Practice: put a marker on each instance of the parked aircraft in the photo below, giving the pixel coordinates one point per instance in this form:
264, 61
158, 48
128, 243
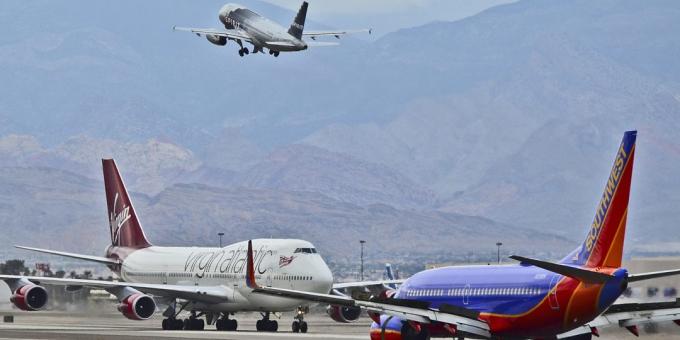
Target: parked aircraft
243, 25
205, 281
534, 299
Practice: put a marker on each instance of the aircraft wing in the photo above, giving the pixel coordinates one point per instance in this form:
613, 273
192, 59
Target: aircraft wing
337, 33
630, 316
227, 33
98, 259
464, 320
360, 284
208, 294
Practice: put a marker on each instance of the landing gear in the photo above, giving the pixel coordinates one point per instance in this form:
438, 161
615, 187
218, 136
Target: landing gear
266, 325
193, 323
300, 325
172, 324
274, 53
243, 51
226, 324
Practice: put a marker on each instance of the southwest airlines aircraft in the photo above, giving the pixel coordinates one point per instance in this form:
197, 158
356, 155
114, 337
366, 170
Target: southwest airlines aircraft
205, 281
533, 299
242, 24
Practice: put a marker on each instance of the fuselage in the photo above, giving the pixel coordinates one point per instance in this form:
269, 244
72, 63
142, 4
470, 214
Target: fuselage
515, 300
264, 32
283, 263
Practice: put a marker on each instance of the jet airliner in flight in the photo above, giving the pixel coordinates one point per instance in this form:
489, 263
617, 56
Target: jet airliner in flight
204, 281
569, 299
243, 25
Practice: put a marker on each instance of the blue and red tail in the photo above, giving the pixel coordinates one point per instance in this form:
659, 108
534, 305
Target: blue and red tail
603, 246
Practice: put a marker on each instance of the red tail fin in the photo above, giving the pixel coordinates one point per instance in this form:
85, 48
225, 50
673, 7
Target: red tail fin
126, 231
603, 246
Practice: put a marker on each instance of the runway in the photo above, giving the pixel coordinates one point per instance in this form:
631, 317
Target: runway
110, 325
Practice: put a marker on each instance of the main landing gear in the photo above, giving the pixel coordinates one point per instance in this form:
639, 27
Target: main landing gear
300, 325
243, 51
274, 53
226, 324
171, 323
266, 325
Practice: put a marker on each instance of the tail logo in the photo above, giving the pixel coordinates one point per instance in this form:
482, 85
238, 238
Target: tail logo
298, 26
612, 184
118, 219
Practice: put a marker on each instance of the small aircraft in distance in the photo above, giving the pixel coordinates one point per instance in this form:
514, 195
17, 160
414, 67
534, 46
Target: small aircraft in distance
243, 25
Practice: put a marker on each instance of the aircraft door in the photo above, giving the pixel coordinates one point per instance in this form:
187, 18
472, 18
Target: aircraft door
552, 293
466, 294
269, 281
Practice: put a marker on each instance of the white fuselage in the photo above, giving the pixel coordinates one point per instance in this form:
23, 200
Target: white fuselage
282, 263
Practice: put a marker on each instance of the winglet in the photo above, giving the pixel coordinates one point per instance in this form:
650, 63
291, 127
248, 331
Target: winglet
250, 274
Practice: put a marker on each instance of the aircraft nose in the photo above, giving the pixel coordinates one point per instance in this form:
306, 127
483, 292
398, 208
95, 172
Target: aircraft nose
324, 278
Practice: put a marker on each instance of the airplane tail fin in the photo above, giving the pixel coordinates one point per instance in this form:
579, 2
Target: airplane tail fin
298, 25
126, 231
603, 246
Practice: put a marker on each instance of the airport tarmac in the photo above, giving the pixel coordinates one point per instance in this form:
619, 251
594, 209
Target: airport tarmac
110, 326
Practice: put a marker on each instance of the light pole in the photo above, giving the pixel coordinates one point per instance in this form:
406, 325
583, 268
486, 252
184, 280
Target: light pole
362, 242
499, 244
220, 235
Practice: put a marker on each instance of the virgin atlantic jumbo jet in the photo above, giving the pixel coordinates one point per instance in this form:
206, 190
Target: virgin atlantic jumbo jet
533, 299
204, 281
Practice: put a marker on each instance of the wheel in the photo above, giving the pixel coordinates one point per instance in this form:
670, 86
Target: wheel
296, 327
258, 325
273, 326
165, 324
240, 53
245, 50
187, 324
303, 327
198, 324
276, 54
177, 324
232, 325
220, 325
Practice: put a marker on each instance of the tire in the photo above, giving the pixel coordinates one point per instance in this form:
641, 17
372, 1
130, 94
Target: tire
187, 325
219, 325
258, 325
296, 327
303, 327
233, 325
178, 325
273, 326
165, 324
199, 324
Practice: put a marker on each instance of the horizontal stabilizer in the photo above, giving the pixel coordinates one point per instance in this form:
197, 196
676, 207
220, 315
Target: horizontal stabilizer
652, 275
90, 258
582, 275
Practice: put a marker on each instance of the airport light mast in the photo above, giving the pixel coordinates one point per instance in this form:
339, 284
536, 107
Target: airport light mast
220, 235
362, 242
499, 244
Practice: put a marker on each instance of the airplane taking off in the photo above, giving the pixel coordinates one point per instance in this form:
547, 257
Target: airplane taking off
205, 281
534, 299
241, 24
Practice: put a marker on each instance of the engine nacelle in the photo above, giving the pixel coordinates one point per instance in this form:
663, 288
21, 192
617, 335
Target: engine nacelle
216, 39
137, 307
343, 314
29, 297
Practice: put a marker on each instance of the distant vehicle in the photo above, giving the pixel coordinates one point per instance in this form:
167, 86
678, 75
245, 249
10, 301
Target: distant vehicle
533, 299
205, 281
243, 25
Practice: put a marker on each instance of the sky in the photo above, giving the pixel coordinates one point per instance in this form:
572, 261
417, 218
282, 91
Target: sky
385, 16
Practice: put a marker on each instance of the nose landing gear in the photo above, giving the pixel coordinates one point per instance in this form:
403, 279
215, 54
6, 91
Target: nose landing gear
300, 325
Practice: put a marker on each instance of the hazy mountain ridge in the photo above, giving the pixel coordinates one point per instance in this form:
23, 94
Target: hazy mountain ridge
59, 204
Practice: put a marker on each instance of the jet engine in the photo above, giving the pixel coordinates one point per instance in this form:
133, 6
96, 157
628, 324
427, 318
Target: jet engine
216, 39
137, 306
29, 297
343, 314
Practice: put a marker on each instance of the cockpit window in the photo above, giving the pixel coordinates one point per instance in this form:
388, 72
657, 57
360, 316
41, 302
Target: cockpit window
305, 250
